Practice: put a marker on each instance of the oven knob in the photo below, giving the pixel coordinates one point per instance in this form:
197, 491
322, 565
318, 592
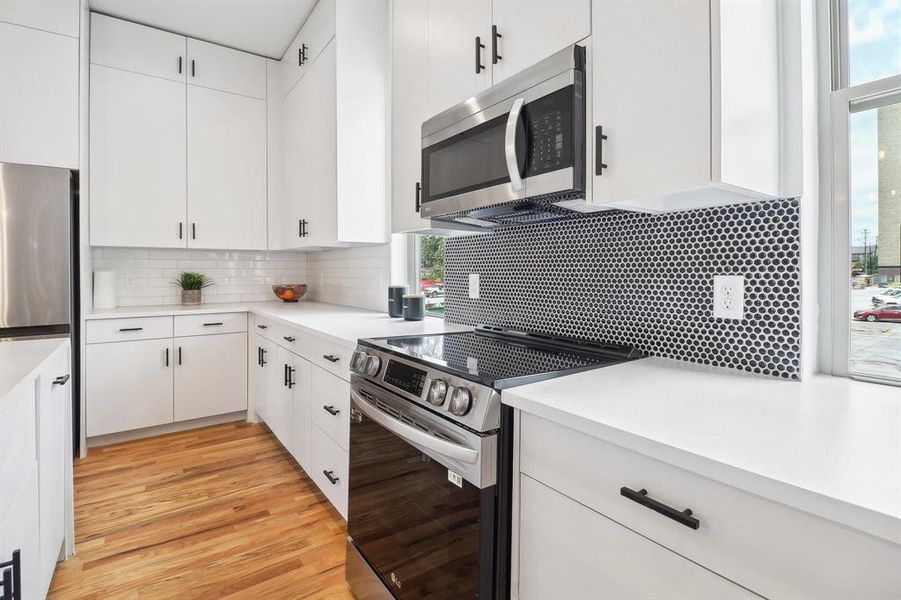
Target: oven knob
373, 363
460, 402
437, 392
358, 361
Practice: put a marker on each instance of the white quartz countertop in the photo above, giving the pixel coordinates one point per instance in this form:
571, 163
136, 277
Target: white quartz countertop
829, 446
22, 360
342, 324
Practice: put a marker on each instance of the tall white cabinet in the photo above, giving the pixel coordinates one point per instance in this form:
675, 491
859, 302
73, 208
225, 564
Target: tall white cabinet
330, 156
178, 141
39, 83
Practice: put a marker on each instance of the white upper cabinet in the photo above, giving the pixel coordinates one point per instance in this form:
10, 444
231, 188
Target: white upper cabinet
526, 31
704, 111
178, 141
332, 126
38, 97
409, 68
56, 16
458, 69
138, 160
224, 69
132, 47
314, 36
226, 170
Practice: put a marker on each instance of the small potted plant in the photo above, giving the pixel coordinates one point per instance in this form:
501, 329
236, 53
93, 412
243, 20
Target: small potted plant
191, 285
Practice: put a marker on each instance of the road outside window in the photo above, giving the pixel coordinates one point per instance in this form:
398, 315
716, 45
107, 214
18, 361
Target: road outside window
430, 249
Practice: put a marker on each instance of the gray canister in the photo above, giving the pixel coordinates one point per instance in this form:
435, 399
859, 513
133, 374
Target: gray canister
414, 307
396, 300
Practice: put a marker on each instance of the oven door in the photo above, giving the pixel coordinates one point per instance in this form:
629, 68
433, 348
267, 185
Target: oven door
421, 504
528, 145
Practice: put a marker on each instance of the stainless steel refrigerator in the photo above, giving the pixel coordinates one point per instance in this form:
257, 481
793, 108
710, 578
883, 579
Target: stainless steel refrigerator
39, 258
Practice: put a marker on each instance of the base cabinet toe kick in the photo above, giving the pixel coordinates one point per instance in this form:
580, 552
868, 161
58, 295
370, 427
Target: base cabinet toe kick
589, 515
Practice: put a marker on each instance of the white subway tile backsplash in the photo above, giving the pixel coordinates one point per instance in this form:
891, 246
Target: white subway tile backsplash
349, 276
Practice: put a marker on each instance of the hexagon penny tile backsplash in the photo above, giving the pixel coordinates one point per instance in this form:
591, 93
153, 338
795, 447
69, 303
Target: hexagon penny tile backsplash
644, 280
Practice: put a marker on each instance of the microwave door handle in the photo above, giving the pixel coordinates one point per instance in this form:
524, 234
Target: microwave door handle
510, 145
413, 435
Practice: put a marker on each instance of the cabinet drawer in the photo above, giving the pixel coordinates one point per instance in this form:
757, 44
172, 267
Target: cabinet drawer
17, 440
570, 551
331, 405
137, 48
283, 335
329, 356
210, 324
312, 39
770, 548
123, 330
330, 460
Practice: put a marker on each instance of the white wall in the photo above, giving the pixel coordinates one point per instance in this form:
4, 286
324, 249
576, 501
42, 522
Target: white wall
144, 276
351, 276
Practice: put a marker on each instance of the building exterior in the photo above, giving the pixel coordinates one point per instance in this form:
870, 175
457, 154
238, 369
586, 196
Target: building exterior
889, 235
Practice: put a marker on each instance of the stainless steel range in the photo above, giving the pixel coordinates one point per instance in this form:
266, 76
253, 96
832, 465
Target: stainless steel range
430, 456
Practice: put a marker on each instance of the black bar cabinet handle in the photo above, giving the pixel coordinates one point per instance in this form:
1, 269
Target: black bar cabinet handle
300, 56
193, 70
167, 357
331, 358
193, 231
599, 137
179, 355
286, 375
291, 382
330, 475
479, 46
331, 410
213, 324
11, 584
288, 338
61, 380
180, 230
131, 328
263, 362
262, 327
179, 64
495, 36
418, 196
680, 516
259, 356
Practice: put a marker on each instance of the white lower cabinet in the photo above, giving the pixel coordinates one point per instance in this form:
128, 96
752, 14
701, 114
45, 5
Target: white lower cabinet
20, 530
53, 410
330, 467
305, 406
210, 377
300, 385
129, 385
569, 551
149, 382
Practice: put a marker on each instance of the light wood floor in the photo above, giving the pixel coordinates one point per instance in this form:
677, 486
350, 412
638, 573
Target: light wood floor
219, 512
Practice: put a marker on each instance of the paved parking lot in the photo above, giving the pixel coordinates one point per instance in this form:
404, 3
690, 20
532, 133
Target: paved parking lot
875, 347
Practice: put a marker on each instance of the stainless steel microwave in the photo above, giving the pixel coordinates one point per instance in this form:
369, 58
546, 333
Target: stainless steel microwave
511, 153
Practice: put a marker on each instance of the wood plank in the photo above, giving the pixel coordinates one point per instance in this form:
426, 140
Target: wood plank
218, 512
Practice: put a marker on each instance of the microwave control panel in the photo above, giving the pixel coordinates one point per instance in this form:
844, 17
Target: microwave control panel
549, 122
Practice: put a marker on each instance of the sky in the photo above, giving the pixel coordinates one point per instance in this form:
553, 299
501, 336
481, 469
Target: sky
874, 45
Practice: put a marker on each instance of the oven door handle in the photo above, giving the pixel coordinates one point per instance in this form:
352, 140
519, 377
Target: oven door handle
510, 145
415, 436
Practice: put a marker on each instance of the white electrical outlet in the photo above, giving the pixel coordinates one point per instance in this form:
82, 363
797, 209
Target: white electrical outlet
729, 297
474, 286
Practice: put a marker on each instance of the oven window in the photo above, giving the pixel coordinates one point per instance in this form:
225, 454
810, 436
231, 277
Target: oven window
424, 535
468, 161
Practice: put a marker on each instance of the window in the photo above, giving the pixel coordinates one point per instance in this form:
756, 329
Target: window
428, 273
866, 189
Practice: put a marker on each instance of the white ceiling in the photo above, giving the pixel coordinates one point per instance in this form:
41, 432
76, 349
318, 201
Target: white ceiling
264, 27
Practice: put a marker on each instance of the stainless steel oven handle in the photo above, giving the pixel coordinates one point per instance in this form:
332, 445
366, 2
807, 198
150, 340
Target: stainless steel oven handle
413, 435
510, 144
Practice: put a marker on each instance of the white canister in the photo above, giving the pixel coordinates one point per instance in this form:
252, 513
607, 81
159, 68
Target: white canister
104, 289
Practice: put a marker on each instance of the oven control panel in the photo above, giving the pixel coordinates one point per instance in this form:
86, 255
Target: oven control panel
405, 377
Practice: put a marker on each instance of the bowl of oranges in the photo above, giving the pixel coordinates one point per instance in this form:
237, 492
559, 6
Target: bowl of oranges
290, 292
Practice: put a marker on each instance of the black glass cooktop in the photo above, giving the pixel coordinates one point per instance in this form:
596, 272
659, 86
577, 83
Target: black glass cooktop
501, 358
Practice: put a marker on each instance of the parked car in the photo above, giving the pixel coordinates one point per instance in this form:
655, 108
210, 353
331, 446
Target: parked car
890, 297
434, 291
889, 312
